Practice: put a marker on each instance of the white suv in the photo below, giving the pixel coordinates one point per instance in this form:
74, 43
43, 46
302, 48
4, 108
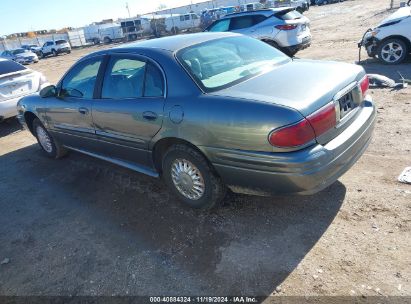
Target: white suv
391, 39
283, 28
54, 48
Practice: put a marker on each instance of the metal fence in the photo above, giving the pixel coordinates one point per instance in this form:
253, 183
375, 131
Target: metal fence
10, 44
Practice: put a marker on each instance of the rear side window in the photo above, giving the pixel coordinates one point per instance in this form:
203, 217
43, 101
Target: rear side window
61, 42
9, 66
132, 78
241, 22
245, 21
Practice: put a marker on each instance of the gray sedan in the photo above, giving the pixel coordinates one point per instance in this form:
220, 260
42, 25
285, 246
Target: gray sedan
207, 112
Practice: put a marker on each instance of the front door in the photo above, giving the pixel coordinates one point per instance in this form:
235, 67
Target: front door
69, 114
130, 110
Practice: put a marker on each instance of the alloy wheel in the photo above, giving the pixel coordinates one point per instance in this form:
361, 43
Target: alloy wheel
44, 139
187, 179
392, 52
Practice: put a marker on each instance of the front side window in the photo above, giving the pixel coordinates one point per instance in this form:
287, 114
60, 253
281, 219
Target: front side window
80, 81
220, 26
132, 78
244, 57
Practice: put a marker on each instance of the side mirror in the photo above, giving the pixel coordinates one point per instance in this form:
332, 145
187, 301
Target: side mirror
49, 91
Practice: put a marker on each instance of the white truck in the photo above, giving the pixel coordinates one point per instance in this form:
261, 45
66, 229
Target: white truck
106, 33
136, 27
177, 23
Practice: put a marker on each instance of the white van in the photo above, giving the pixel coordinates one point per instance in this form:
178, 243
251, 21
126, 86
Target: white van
176, 23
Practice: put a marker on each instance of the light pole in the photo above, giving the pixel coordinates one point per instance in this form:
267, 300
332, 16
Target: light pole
128, 9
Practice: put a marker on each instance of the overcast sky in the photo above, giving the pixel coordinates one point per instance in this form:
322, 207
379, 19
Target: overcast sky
28, 15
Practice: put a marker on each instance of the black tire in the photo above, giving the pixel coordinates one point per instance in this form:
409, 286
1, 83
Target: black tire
56, 150
54, 52
214, 189
391, 44
68, 52
41, 54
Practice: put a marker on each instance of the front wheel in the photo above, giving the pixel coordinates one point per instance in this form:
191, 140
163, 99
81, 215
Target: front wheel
190, 177
392, 51
49, 146
54, 52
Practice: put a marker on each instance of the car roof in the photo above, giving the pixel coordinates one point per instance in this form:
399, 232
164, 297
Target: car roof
169, 44
266, 12
174, 43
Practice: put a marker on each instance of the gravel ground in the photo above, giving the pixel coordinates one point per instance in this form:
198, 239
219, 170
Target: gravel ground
80, 226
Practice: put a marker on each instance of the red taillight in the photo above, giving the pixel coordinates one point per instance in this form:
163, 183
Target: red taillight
286, 27
306, 130
292, 136
324, 119
364, 85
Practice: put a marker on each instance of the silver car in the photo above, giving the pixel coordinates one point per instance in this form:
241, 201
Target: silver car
283, 28
21, 56
17, 81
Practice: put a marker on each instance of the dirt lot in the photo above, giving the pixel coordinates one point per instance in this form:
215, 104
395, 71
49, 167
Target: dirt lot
80, 226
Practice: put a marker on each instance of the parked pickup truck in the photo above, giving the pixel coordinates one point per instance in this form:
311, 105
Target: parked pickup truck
55, 48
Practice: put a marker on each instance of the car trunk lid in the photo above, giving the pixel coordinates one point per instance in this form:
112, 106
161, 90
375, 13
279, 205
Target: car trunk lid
17, 84
306, 86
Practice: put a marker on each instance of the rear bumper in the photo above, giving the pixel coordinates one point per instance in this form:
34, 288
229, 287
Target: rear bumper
302, 172
298, 47
8, 108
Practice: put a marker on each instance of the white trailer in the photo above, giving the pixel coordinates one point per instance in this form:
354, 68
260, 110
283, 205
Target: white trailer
106, 32
77, 38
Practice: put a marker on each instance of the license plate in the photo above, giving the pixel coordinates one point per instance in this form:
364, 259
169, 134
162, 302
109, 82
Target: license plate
19, 89
347, 104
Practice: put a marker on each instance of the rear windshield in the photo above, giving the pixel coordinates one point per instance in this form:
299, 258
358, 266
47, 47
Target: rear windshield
9, 66
61, 41
221, 63
288, 15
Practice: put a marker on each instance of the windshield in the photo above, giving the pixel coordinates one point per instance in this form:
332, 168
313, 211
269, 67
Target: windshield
19, 51
221, 63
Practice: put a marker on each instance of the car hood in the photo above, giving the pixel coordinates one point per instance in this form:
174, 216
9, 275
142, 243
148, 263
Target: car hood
401, 13
304, 85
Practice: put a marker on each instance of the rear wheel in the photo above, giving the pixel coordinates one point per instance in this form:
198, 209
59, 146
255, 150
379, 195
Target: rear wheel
392, 51
190, 177
49, 146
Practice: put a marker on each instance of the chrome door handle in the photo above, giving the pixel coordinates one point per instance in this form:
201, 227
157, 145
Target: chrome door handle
83, 111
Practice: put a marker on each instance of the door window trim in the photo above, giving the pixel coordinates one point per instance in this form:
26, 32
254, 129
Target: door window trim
100, 79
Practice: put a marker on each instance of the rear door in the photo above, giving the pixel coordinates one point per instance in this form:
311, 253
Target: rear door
69, 114
129, 111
